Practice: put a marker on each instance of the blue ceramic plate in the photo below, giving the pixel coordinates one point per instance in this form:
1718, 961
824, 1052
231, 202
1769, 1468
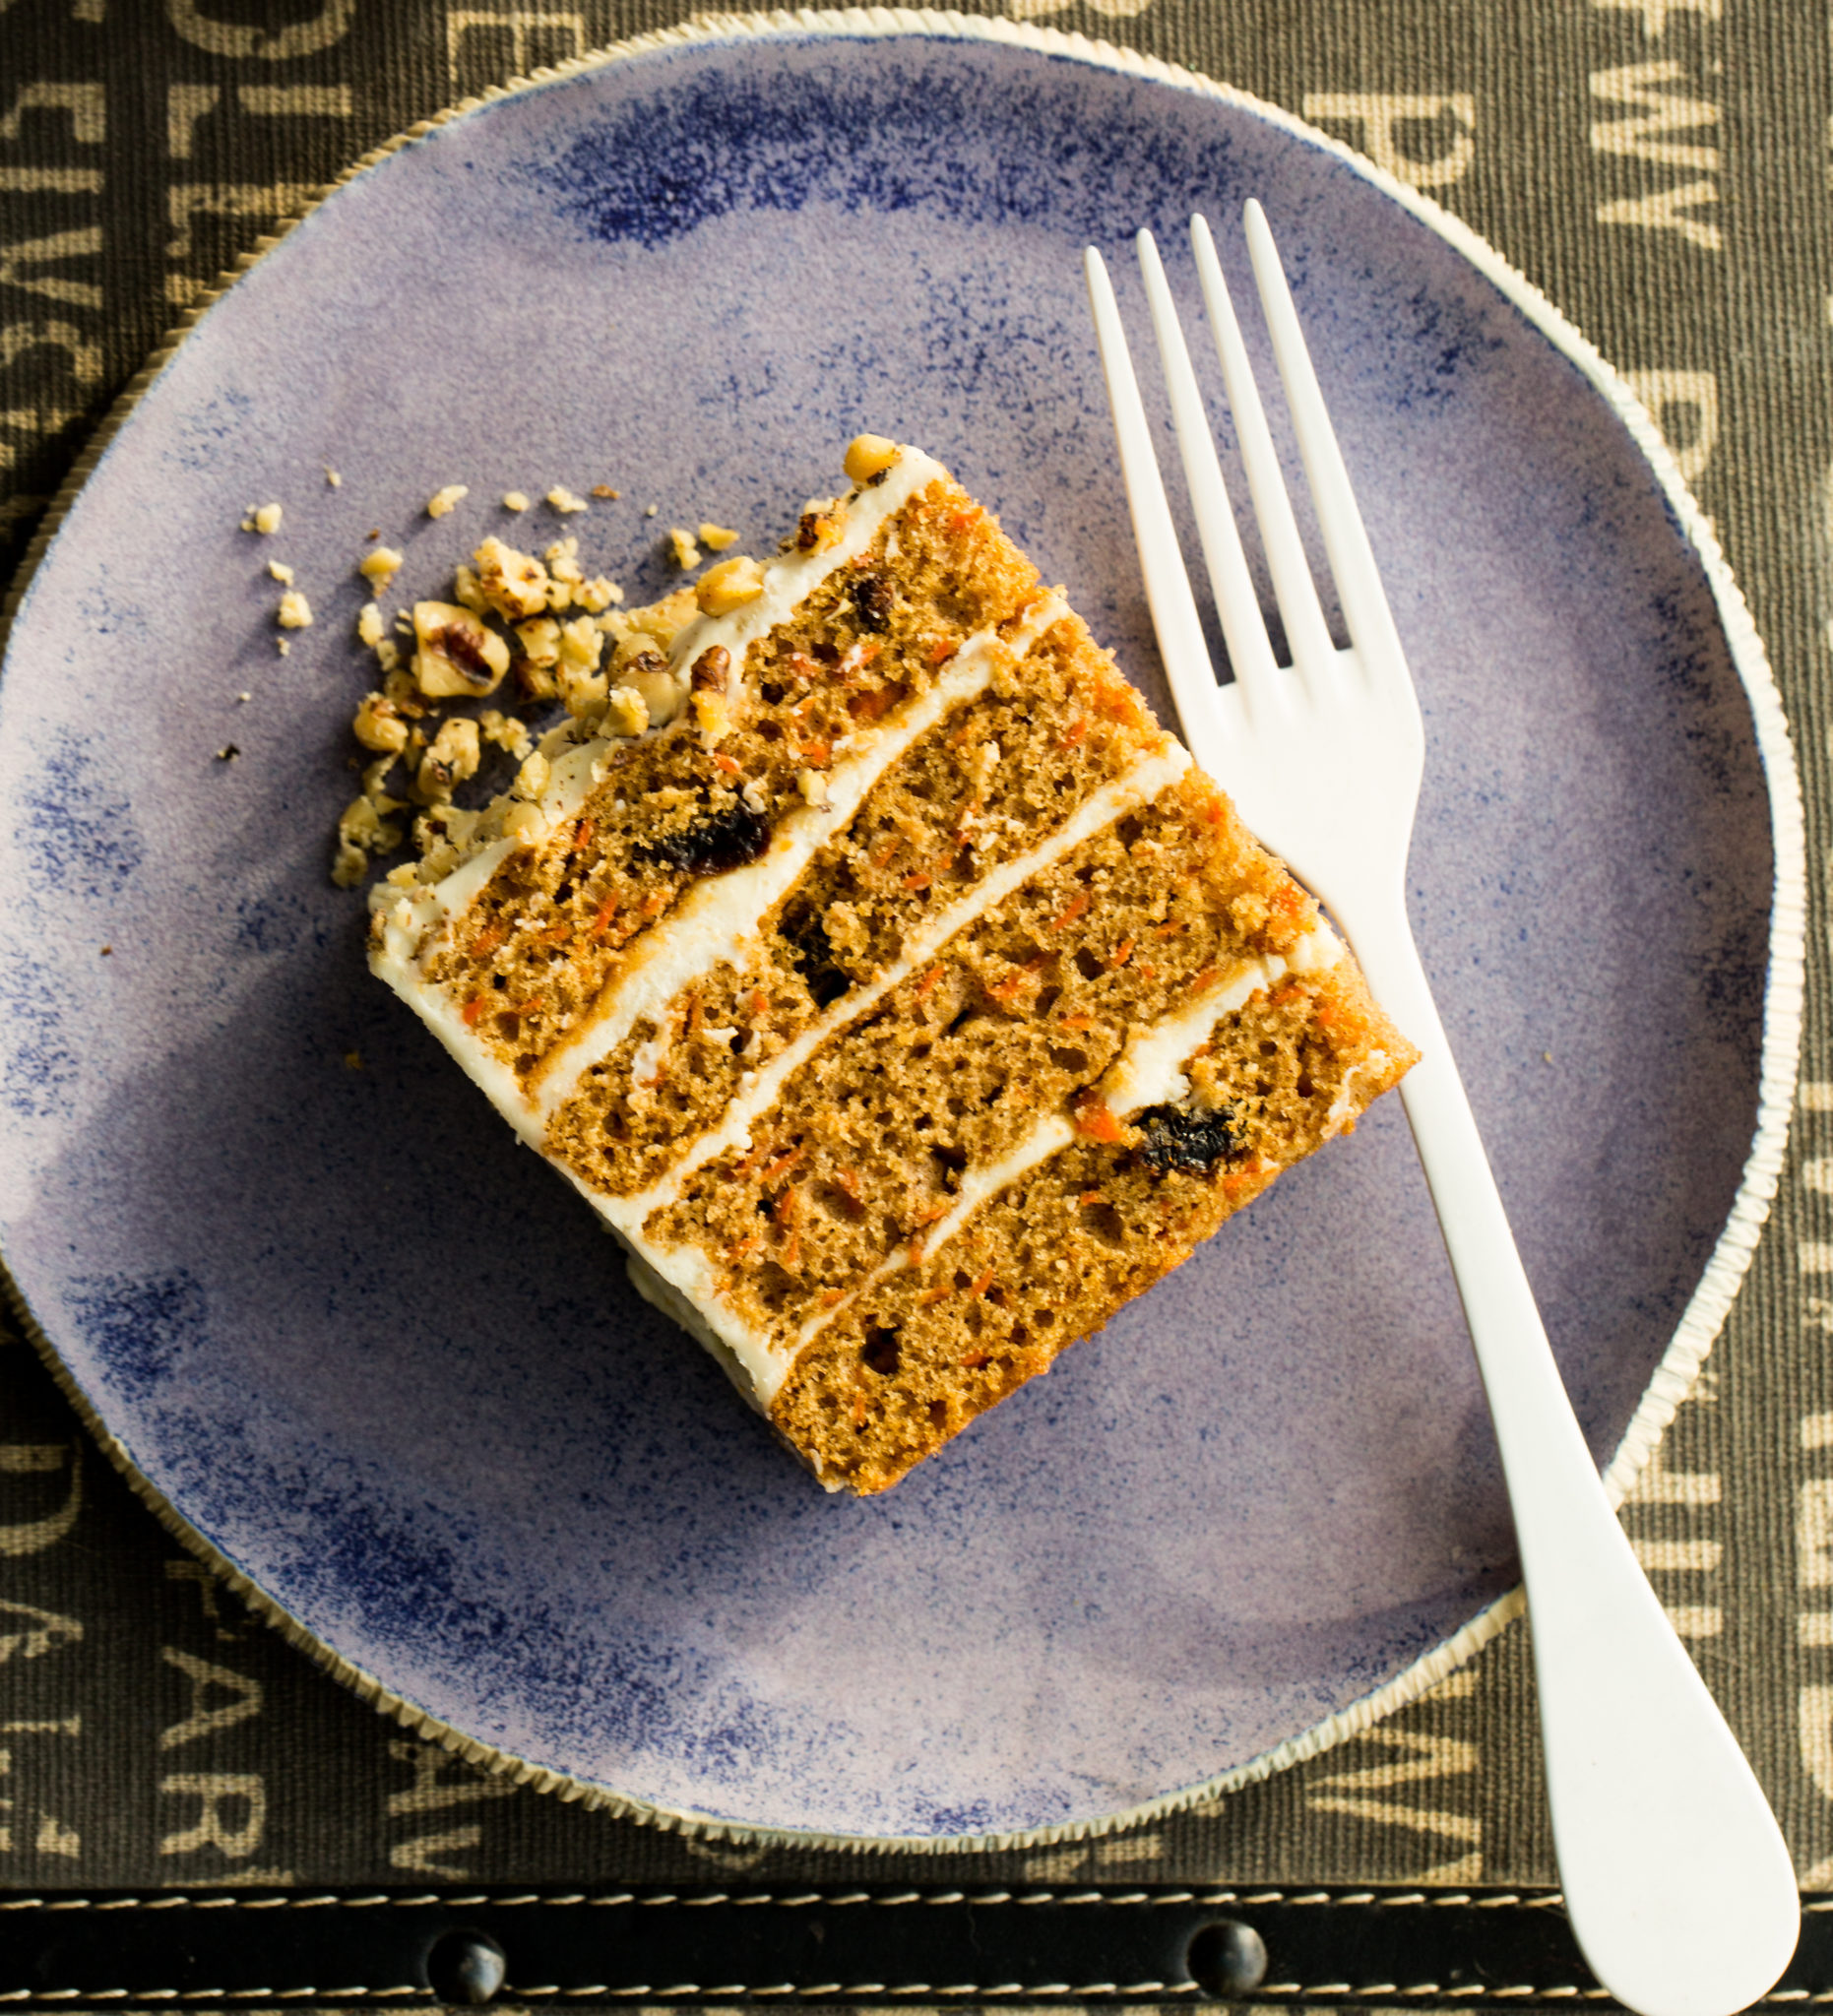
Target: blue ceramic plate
386, 1367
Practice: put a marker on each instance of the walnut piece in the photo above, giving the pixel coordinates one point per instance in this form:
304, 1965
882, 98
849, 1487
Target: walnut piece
868, 456
515, 585
729, 585
457, 654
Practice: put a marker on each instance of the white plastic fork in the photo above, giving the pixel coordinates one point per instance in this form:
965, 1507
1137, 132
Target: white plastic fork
1676, 1877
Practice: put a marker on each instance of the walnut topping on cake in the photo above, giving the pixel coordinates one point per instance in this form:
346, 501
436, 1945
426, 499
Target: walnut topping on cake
729, 585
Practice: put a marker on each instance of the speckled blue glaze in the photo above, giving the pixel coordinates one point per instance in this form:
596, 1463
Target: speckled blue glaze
389, 1364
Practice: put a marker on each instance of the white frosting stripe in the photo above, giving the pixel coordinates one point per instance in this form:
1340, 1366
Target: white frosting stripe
1149, 1072
713, 922
1138, 786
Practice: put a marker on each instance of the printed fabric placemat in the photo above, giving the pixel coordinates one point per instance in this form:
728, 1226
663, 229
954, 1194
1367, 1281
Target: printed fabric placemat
1660, 168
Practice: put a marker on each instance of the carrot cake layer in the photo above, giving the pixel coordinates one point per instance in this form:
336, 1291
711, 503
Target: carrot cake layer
902, 995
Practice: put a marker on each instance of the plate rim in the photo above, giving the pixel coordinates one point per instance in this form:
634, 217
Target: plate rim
1687, 1350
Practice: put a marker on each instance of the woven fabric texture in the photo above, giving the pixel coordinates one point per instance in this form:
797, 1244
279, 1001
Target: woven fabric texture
1660, 168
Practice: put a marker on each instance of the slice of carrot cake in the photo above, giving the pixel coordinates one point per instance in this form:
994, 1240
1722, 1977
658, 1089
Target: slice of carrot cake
894, 986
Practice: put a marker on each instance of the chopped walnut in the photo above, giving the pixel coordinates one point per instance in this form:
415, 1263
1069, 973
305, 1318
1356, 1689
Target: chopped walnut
295, 611
378, 725
539, 638
505, 732
583, 687
707, 684
531, 778
468, 590
661, 691
457, 654
821, 525
870, 457
380, 567
582, 693
626, 712
451, 758
442, 501
514, 584
729, 585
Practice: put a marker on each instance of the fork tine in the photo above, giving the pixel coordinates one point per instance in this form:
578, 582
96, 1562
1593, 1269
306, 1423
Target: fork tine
1359, 584
1250, 651
1168, 586
1306, 630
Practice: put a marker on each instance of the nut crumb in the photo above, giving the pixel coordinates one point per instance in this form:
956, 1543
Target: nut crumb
295, 611
261, 519
605, 490
332, 477
515, 500
654, 511
228, 753
108, 951
442, 501
718, 536
563, 500
243, 698
681, 546
281, 646
870, 457
352, 1060
280, 572
380, 567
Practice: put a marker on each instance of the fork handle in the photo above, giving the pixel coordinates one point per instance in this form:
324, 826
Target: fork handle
1677, 1880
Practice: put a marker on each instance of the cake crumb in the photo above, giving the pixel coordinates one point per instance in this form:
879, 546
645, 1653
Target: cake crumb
295, 611
442, 501
718, 536
515, 500
563, 500
263, 518
280, 572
